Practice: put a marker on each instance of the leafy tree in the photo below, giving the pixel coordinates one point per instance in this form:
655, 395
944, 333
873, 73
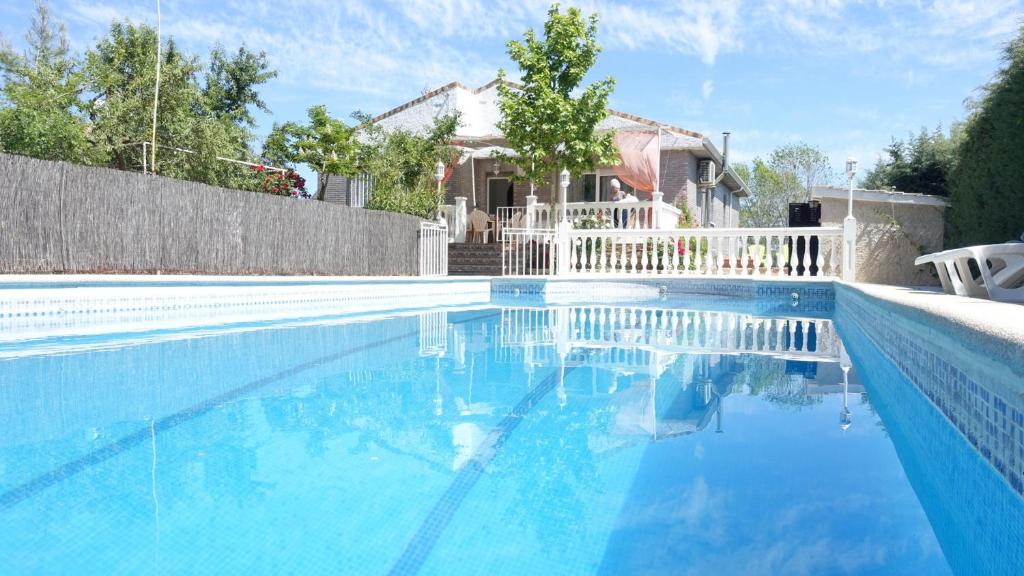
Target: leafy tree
401, 164
550, 123
920, 164
40, 107
209, 121
326, 144
97, 109
771, 192
986, 190
231, 83
807, 164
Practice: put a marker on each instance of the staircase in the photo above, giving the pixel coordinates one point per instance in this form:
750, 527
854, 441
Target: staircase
474, 259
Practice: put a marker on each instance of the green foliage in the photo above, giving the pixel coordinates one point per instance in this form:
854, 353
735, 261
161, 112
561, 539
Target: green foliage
770, 192
97, 109
401, 164
803, 163
685, 217
920, 164
230, 87
326, 144
547, 127
40, 108
987, 181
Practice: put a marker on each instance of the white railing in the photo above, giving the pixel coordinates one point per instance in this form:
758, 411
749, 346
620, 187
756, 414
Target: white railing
455, 218
510, 217
359, 190
528, 252
672, 331
433, 249
765, 252
447, 212
643, 215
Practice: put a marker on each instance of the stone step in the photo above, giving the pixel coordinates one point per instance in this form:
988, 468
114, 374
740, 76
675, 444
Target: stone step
474, 259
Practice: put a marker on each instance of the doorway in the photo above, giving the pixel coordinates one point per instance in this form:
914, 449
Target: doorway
499, 194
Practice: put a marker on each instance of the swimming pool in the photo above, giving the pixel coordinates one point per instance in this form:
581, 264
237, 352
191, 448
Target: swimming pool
675, 435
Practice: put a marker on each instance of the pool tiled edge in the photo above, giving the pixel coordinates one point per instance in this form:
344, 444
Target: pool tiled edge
626, 287
971, 370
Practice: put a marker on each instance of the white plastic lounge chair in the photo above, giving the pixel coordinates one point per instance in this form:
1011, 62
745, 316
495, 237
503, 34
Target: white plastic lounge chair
480, 225
998, 272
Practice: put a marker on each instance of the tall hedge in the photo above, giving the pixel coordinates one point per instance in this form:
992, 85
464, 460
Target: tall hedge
987, 184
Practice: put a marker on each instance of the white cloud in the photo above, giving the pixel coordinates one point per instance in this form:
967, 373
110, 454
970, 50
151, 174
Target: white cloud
706, 88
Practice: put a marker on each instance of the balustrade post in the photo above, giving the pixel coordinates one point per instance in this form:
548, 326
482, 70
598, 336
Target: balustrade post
849, 248
460, 219
656, 203
531, 212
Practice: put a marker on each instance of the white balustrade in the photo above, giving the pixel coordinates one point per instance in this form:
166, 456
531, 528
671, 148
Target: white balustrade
433, 256
760, 252
528, 252
641, 215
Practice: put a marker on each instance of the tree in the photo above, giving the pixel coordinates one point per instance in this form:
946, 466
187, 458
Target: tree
771, 192
401, 165
807, 164
190, 134
986, 190
920, 164
97, 109
231, 84
326, 144
546, 126
40, 109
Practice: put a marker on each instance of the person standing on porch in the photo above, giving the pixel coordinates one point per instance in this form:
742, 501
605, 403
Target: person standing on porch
618, 196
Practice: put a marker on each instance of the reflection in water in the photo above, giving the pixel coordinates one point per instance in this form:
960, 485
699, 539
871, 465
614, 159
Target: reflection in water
598, 438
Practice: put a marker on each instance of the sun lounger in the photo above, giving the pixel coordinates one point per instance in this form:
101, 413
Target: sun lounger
997, 272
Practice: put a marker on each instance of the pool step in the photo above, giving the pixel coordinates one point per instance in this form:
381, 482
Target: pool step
474, 259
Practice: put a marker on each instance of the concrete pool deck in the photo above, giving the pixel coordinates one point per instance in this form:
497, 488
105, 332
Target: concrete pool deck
992, 331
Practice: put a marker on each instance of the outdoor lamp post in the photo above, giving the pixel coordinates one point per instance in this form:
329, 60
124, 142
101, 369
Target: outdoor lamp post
439, 175
562, 251
851, 171
850, 227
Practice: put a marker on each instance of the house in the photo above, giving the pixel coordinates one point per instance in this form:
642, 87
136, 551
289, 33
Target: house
487, 184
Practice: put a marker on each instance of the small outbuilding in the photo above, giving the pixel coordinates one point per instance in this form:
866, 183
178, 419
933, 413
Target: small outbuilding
893, 229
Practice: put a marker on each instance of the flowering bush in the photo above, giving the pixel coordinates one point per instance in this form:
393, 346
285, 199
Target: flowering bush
282, 183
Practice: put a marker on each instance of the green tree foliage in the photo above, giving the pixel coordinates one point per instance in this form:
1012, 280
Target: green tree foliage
326, 144
771, 191
402, 163
547, 127
920, 164
97, 109
40, 108
788, 176
807, 164
231, 83
987, 181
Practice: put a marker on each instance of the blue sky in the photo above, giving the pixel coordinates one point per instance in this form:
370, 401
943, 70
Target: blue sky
842, 75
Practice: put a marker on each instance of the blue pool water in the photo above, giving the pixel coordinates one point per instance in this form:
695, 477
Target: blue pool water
663, 438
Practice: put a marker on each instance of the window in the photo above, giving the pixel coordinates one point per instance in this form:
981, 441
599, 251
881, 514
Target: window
582, 189
586, 188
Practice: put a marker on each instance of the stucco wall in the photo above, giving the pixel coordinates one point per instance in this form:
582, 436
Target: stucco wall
889, 237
